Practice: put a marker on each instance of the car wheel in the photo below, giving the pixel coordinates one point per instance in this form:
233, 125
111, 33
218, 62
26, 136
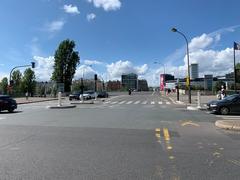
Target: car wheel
224, 110
70, 99
10, 110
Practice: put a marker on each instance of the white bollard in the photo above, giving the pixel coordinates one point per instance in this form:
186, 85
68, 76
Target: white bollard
60, 99
95, 95
81, 98
199, 100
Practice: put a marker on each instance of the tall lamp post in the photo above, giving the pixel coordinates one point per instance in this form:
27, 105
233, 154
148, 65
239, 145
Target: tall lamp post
188, 66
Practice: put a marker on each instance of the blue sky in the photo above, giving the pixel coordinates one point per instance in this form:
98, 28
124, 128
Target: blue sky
120, 36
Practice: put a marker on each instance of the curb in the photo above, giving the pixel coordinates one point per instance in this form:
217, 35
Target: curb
76, 103
228, 125
29, 102
61, 107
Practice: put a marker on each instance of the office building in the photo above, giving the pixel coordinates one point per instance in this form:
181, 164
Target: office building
130, 81
194, 71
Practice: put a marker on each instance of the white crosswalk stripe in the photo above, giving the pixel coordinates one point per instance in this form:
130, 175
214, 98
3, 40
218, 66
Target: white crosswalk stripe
114, 102
122, 102
137, 102
144, 102
129, 102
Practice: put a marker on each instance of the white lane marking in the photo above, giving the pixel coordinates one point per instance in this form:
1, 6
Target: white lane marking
121, 102
168, 102
129, 102
152, 102
114, 102
1, 118
160, 102
107, 102
137, 102
144, 102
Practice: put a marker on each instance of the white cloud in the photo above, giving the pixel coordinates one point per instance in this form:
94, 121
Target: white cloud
54, 26
71, 9
107, 5
92, 62
200, 42
84, 71
91, 16
115, 70
44, 67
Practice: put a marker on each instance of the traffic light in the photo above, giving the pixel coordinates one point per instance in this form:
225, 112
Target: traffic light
11, 83
33, 64
95, 77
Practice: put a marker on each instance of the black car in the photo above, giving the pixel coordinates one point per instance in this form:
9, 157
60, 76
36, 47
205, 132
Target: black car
102, 94
7, 103
75, 96
230, 104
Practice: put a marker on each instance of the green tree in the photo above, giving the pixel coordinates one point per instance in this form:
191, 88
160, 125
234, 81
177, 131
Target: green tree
28, 83
17, 78
4, 85
65, 64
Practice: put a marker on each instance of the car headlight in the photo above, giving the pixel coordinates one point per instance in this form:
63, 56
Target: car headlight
213, 105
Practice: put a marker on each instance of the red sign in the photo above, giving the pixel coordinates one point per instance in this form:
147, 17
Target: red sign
162, 82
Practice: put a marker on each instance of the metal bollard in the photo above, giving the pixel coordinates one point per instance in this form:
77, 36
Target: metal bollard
60, 99
199, 100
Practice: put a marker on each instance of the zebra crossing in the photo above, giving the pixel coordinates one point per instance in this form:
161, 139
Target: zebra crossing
137, 102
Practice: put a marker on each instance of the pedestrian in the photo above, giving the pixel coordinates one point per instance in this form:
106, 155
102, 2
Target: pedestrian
26, 94
129, 92
223, 93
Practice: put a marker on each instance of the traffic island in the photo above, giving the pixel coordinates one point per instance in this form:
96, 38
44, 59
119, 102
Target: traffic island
61, 107
228, 124
82, 102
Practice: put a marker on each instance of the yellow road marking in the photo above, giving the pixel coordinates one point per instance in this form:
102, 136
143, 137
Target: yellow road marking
171, 157
166, 134
157, 129
189, 123
237, 163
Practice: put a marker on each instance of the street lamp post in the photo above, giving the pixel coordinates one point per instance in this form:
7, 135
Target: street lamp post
188, 66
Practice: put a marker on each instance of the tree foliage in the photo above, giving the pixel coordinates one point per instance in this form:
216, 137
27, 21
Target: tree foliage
4, 85
17, 80
28, 81
65, 64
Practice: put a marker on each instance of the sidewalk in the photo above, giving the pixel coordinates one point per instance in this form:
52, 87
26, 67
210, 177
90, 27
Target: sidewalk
183, 99
228, 124
23, 100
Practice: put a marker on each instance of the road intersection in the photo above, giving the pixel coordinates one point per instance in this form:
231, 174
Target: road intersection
125, 137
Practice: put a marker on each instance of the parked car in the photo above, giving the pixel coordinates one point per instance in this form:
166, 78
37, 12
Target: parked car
74, 96
102, 94
89, 94
7, 103
230, 104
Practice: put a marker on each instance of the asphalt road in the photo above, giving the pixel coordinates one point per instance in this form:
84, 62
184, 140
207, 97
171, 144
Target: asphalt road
142, 136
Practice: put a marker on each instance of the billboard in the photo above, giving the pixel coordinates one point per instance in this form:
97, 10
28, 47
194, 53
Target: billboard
162, 82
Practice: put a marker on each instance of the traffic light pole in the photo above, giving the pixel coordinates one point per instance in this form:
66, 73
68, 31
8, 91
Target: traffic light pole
10, 76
